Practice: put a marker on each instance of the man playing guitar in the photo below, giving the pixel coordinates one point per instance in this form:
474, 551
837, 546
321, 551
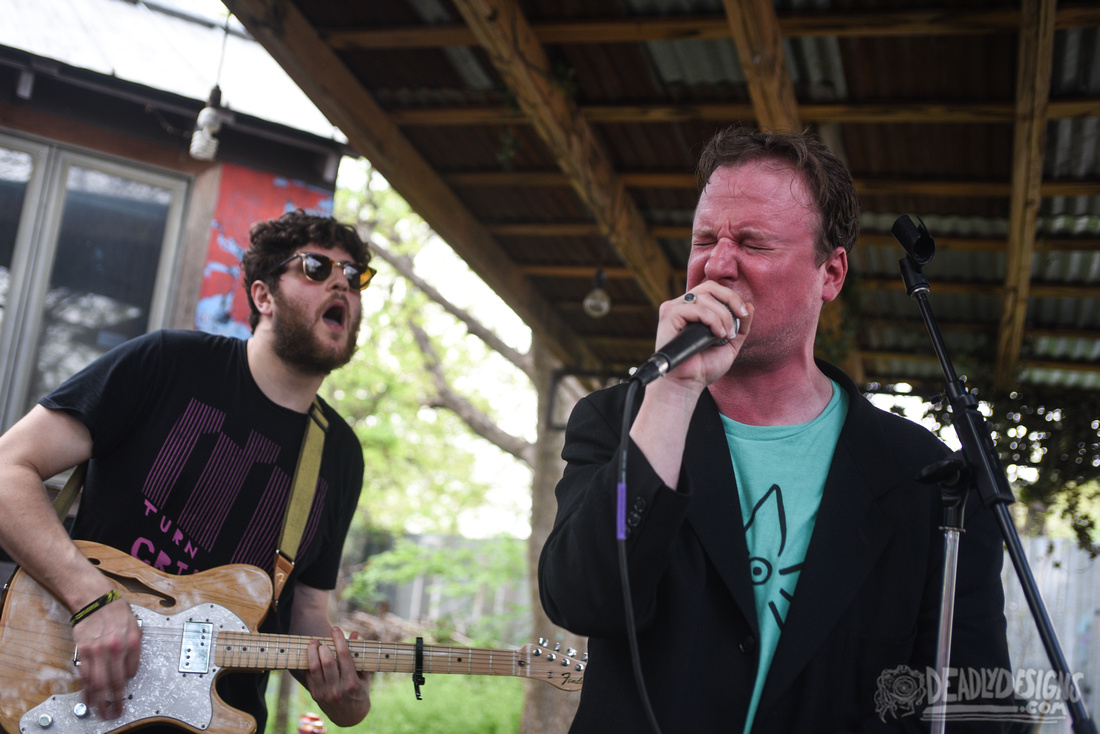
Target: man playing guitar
193, 440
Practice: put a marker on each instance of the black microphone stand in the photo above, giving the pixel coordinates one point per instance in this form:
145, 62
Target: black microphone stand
975, 466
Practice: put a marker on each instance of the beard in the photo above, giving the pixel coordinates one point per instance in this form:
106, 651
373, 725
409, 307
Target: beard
296, 343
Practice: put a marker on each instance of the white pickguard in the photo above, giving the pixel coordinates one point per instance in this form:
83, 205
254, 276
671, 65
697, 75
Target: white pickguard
160, 690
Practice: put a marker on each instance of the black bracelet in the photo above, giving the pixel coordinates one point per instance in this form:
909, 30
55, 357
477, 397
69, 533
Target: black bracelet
102, 601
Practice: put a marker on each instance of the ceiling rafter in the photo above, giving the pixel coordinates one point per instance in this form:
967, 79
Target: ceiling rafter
899, 112
865, 186
755, 30
866, 239
955, 287
985, 288
503, 31
758, 39
280, 27
699, 27
1035, 64
980, 193
869, 357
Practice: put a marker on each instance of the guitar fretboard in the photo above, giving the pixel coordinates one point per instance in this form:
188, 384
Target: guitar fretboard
250, 651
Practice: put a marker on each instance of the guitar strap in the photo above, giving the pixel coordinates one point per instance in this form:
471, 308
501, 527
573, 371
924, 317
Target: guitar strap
68, 493
302, 490
301, 498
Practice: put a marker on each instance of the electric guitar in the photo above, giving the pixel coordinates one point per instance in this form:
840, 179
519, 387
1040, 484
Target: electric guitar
194, 628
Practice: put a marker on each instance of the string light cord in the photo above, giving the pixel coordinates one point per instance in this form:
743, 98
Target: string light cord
225, 42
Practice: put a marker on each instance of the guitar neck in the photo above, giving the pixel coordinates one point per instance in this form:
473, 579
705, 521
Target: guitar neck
249, 651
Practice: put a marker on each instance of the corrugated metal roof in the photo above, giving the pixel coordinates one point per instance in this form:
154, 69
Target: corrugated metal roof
650, 103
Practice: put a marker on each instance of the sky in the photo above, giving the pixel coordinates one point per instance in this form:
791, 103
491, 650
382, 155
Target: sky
135, 43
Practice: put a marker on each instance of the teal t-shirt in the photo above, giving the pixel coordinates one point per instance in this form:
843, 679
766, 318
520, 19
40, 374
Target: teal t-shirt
780, 473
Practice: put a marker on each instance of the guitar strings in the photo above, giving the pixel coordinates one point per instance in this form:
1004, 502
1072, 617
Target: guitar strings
254, 646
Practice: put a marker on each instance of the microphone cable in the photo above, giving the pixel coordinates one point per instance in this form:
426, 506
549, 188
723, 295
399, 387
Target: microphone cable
620, 537
692, 339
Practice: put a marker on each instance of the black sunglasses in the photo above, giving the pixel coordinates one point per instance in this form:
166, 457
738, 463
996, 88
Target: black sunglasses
319, 267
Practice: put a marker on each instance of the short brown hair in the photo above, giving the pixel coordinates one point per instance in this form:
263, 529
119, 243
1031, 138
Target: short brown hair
275, 240
826, 175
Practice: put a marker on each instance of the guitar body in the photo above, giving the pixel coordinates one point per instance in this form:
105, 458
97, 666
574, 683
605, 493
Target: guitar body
38, 677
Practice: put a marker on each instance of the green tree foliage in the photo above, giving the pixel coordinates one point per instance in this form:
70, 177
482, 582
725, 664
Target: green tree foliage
420, 461
468, 573
423, 396
1049, 441
418, 476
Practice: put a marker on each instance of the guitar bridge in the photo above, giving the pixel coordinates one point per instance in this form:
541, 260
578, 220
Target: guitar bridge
195, 648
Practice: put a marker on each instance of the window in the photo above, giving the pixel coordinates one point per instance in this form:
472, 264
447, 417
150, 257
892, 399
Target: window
87, 250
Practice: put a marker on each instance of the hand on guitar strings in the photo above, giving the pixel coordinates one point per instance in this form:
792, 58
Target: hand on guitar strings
108, 649
333, 680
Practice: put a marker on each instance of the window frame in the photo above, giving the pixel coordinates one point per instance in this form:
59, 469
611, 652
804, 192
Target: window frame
36, 245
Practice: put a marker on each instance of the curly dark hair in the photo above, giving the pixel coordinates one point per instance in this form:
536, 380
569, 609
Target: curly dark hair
826, 175
275, 240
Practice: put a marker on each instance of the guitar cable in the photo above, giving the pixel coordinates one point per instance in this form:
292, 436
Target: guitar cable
620, 536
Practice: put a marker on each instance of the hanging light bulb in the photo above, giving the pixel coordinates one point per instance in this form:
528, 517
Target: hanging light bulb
597, 303
204, 146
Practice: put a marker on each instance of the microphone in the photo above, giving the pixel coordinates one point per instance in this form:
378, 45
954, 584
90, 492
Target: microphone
692, 339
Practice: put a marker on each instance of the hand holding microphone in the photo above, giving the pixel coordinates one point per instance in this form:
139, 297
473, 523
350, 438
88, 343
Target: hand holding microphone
695, 337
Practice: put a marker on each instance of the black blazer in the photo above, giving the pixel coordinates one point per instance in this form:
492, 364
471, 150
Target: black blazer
867, 599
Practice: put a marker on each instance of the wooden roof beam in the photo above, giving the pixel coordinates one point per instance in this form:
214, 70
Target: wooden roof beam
289, 38
865, 186
915, 22
515, 51
1035, 65
1031, 364
866, 239
983, 288
755, 30
895, 112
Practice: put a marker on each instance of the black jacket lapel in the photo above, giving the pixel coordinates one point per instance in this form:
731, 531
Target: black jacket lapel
715, 512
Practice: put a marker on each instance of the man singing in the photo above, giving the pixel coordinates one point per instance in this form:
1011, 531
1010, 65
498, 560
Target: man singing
781, 553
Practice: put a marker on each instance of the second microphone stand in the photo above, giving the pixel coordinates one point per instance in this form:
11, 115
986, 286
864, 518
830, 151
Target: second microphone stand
975, 466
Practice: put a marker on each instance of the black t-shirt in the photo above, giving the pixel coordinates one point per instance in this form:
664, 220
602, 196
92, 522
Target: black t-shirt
192, 466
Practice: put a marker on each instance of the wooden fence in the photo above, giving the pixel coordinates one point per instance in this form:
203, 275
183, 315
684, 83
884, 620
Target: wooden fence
1069, 582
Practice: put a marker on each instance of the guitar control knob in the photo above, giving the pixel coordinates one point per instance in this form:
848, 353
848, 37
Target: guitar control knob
80, 710
45, 721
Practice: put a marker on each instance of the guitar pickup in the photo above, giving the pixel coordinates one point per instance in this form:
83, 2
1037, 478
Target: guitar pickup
195, 647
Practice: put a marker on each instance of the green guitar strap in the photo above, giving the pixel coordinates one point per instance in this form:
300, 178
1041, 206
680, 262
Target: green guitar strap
301, 498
